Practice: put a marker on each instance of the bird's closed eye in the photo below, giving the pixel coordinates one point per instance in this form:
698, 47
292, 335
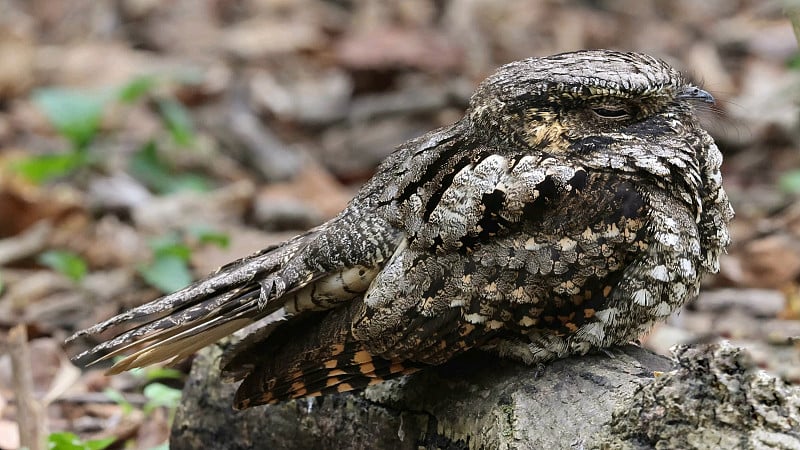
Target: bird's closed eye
611, 112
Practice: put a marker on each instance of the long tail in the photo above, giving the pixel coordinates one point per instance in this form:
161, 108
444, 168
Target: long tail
314, 356
175, 326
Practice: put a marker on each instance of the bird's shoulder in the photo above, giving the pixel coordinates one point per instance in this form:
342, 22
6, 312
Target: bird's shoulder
446, 190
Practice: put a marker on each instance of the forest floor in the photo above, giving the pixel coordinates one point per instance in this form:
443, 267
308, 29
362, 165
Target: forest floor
144, 143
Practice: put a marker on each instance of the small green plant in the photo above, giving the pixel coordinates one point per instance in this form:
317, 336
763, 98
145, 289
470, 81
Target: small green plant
207, 235
158, 395
42, 168
137, 88
77, 115
177, 120
164, 446
149, 167
67, 263
794, 62
161, 395
69, 441
790, 182
117, 397
157, 373
169, 270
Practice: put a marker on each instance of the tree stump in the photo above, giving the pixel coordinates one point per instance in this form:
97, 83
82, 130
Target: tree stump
606, 400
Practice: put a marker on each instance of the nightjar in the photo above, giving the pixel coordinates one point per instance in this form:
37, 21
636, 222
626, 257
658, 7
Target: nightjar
576, 203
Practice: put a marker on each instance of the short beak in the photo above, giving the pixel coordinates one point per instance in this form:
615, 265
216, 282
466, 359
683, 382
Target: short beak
695, 93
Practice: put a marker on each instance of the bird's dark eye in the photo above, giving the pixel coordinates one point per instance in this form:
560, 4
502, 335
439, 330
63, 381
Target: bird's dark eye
610, 112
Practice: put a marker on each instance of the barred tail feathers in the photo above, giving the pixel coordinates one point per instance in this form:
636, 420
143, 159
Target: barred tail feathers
176, 325
315, 356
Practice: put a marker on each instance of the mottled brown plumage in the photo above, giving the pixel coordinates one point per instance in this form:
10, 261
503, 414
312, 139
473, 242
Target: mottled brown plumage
576, 203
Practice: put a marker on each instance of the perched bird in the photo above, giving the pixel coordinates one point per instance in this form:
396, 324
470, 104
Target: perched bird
575, 204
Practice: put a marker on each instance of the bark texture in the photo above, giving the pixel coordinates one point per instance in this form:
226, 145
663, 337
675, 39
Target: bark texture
714, 398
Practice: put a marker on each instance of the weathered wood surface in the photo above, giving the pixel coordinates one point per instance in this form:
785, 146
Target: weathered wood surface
596, 401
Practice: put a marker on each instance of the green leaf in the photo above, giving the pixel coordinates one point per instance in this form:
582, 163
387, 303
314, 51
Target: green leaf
99, 444
164, 446
69, 441
170, 245
147, 166
75, 114
161, 395
169, 270
64, 441
117, 397
2, 284
207, 235
189, 182
177, 120
790, 182
65, 263
137, 88
167, 273
162, 373
794, 62
41, 168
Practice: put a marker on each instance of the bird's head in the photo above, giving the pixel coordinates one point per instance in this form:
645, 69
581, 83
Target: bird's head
557, 100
